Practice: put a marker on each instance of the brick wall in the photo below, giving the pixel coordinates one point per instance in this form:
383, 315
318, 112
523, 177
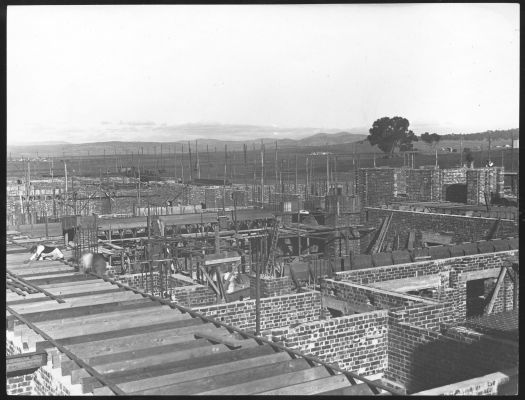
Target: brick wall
194, 295
356, 342
463, 228
428, 316
421, 359
475, 262
481, 181
276, 312
271, 286
375, 186
423, 184
20, 385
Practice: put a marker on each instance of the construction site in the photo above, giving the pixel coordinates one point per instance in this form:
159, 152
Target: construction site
263, 273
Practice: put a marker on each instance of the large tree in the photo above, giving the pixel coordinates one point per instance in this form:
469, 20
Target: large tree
390, 134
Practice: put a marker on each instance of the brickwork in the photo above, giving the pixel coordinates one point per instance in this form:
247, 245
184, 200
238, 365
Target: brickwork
421, 359
356, 342
428, 316
483, 181
19, 385
271, 286
473, 262
276, 312
453, 176
375, 186
423, 184
45, 383
462, 228
194, 296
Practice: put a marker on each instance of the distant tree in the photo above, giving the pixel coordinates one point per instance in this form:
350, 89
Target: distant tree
430, 138
468, 155
390, 134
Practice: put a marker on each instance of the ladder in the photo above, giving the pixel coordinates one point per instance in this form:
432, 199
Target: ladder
270, 262
376, 246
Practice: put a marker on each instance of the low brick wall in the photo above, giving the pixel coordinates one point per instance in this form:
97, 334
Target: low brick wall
194, 296
421, 359
474, 262
276, 312
356, 342
271, 286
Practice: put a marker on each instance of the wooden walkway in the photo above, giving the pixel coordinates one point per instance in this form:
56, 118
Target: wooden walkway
113, 340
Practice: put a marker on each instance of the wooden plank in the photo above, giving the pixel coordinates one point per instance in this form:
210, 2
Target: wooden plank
111, 317
166, 357
271, 383
481, 274
411, 239
217, 339
87, 310
136, 342
179, 344
361, 389
55, 271
495, 293
111, 325
217, 291
74, 340
70, 278
311, 387
192, 377
230, 378
25, 361
71, 303
408, 284
189, 364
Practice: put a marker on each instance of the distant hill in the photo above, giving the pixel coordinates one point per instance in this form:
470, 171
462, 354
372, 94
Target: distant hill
494, 135
120, 147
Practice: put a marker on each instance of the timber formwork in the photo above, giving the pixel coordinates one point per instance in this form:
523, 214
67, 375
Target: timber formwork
112, 339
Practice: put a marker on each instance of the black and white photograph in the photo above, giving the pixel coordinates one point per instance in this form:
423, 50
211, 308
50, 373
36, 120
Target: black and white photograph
262, 199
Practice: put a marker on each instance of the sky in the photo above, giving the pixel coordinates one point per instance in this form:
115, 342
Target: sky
155, 72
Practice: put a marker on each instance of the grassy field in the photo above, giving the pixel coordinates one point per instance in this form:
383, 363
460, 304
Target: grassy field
212, 164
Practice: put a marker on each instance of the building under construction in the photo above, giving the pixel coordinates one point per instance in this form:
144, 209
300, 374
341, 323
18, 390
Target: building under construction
326, 285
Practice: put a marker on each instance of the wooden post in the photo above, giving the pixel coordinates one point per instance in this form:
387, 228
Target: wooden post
258, 295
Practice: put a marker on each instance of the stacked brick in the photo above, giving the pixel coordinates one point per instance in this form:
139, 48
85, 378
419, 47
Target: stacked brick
271, 286
375, 186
